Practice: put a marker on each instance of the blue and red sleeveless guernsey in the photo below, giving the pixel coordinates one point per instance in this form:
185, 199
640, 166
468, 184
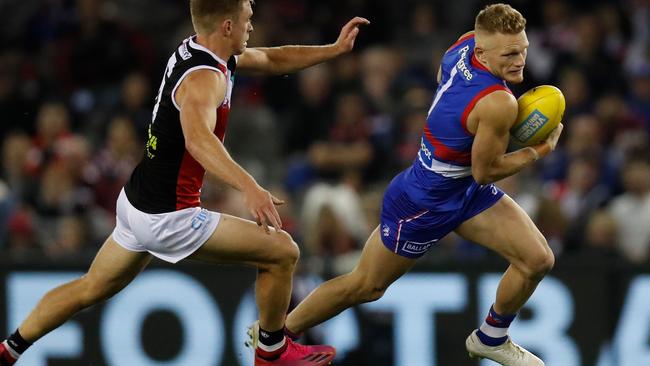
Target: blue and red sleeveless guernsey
168, 178
443, 165
438, 193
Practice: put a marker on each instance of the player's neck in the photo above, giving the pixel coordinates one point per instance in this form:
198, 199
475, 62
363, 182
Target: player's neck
214, 44
480, 64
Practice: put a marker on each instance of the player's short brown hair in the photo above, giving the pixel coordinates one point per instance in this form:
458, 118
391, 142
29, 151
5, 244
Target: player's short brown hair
500, 18
206, 12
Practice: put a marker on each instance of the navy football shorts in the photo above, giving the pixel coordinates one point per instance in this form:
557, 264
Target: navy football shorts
410, 230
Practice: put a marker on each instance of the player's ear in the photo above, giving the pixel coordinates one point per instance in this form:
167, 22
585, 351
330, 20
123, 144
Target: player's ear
226, 27
480, 54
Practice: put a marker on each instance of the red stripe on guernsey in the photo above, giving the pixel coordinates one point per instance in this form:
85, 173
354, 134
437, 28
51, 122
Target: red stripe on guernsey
222, 121
477, 64
189, 182
223, 111
191, 173
460, 40
477, 97
446, 153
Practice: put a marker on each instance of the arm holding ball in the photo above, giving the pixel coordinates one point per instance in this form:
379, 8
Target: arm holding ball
496, 113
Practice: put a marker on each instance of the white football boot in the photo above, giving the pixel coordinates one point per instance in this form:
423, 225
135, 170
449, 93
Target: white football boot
507, 354
253, 332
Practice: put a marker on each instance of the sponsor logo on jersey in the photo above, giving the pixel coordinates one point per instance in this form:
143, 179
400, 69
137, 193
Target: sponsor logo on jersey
152, 144
417, 248
532, 124
461, 65
198, 221
385, 230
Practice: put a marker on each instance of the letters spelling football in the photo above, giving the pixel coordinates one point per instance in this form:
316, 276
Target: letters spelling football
540, 110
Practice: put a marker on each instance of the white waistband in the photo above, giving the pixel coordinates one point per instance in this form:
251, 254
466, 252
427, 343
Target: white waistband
447, 170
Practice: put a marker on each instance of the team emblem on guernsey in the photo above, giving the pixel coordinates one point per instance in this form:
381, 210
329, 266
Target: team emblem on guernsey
184, 52
532, 124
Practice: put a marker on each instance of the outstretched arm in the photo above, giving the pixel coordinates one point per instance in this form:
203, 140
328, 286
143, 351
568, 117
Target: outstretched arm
286, 59
199, 96
496, 113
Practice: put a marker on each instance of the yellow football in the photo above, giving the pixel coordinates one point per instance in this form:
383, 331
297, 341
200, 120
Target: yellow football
540, 110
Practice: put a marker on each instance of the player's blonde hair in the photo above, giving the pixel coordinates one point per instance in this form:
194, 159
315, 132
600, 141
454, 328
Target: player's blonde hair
205, 13
500, 18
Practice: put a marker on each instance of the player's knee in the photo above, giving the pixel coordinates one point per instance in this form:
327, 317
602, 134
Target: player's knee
546, 263
288, 251
540, 263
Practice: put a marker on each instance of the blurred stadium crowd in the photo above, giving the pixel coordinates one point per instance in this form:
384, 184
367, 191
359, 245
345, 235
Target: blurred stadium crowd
78, 81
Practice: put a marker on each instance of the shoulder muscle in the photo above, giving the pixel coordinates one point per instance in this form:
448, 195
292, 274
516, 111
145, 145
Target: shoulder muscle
497, 110
204, 87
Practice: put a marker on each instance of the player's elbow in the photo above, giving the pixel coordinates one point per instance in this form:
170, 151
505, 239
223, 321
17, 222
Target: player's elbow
482, 176
191, 147
193, 144
482, 180
196, 149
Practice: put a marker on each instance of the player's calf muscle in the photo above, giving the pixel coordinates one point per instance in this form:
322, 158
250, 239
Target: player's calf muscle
95, 291
358, 289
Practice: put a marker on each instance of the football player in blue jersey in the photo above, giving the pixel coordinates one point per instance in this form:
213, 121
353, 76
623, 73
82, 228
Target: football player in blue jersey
450, 187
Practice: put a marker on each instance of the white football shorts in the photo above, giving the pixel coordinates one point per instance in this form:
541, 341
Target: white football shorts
170, 236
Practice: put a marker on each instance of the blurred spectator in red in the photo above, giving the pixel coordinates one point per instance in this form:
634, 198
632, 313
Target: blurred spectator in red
22, 243
415, 104
97, 51
113, 164
64, 188
624, 128
348, 149
52, 128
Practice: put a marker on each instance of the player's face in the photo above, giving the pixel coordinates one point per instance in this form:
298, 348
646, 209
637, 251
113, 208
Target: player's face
242, 26
505, 55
